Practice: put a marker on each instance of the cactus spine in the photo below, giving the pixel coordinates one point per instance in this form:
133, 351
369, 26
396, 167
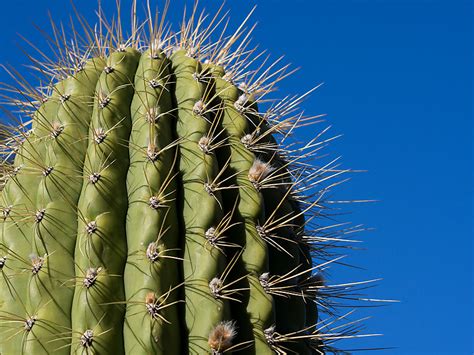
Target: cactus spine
154, 207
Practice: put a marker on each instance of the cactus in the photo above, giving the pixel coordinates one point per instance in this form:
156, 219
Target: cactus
155, 204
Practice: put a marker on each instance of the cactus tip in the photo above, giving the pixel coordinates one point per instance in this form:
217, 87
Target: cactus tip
258, 172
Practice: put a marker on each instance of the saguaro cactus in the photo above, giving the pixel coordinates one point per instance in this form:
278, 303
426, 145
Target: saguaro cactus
154, 204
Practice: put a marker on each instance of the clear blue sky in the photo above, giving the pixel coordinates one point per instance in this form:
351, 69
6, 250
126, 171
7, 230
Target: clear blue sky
398, 85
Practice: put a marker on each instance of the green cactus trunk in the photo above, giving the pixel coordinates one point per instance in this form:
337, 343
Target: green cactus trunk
151, 210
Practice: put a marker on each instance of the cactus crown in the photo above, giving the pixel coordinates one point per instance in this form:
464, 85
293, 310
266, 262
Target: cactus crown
156, 201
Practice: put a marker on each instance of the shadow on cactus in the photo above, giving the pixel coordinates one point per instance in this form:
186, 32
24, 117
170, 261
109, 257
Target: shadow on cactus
155, 201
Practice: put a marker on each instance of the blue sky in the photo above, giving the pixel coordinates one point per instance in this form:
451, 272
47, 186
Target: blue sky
398, 84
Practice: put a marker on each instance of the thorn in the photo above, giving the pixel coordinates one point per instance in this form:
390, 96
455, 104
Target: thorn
240, 103
58, 128
199, 108
258, 172
154, 202
29, 323
211, 237
94, 177
39, 215
153, 251
155, 84
215, 285
87, 338
221, 337
16, 170
209, 189
6, 212
109, 70
270, 334
99, 135
48, 171
152, 114
204, 144
152, 153
36, 263
91, 276
264, 279
104, 100
152, 305
248, 139
64, 98
122, 48
91, 227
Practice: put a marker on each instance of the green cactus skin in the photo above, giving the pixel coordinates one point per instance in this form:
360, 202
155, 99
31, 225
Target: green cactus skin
254, 260
58, 192
19, 199
101, 246
153, 264
201, 209
153, 209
